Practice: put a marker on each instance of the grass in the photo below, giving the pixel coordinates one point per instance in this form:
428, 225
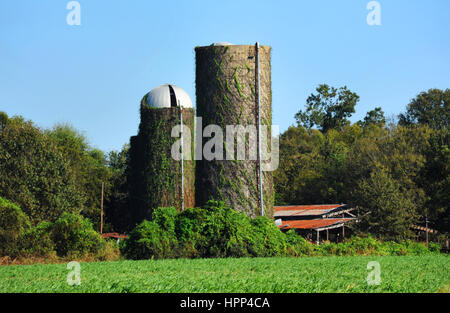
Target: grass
257, 275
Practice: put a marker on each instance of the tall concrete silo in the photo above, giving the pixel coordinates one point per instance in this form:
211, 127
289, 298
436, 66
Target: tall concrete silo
229, 79
155, 177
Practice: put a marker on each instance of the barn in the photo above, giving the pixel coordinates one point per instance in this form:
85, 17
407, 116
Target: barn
315, 222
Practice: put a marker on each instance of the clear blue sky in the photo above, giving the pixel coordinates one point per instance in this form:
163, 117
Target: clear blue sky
95, 74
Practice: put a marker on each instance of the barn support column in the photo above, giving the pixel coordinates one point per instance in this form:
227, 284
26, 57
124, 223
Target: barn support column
318, 237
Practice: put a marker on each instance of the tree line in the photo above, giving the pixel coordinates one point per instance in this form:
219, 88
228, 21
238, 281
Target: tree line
395, 172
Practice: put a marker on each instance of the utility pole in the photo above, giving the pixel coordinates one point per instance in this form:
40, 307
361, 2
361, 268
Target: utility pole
261, 198
101, 214
182, 156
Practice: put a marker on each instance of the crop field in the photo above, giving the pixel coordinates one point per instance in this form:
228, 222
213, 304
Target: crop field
255, 275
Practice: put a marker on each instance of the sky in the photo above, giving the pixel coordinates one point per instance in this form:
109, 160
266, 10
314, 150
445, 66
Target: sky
93, 75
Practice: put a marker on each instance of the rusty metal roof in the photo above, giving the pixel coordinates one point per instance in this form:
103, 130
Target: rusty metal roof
304, 210
114, 235
313, 224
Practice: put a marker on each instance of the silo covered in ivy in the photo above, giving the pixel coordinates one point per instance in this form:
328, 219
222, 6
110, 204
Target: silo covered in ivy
233, 85
155, 177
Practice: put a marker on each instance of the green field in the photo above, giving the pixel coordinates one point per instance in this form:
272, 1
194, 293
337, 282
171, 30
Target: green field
309, 274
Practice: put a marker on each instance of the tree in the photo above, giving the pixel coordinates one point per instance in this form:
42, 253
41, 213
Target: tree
329, 108
387, 210
13, 224
373, 117
88, 167
435, 180
3, 120
117, 212
34, 173
431, 108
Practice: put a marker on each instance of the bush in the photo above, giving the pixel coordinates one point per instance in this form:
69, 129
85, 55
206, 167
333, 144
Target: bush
13, 224
434, 247
37, 241
223, 232
187, 229
148, 241
74, 236
155, 239
34, 173
267, 239
416, 248
297, 245
215, 230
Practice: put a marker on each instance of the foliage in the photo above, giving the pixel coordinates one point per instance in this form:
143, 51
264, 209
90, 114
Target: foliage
297, 245
117, 213
375, 116
329, 108
3, 120
37, 242
34, 173
430, 108
216, 230
387, 210
87, 166
267, 239
13, 224
74, 236
400, 173
147, 241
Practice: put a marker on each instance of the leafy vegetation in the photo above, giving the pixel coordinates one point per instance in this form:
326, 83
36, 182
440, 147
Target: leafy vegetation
34, 173
216, 230
397, 174
13, 224
254, 275
70, 236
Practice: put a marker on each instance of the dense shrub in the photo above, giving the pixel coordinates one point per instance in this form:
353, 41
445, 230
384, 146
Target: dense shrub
37, 241
223, 232
216, 230
297, 245
147, 241
13, 224
187, 228
155, 239
74, 236
34, 173
267, 239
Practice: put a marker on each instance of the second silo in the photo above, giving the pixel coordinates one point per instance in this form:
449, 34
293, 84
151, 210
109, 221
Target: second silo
156, 178
227, 90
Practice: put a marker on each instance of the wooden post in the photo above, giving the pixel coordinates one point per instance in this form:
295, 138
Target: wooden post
343, 229
318, 238
327, 234
426, 228
101, 214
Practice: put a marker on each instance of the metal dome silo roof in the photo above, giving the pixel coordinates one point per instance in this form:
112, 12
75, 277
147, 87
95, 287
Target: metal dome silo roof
167, 95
